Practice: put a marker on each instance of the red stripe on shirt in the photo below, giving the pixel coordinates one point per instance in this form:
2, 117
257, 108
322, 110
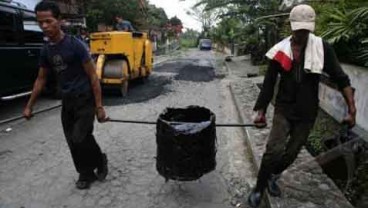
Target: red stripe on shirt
284, 60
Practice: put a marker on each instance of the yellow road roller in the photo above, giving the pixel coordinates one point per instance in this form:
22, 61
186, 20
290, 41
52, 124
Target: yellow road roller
121, 57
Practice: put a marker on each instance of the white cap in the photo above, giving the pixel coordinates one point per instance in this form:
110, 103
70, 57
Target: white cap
302, 17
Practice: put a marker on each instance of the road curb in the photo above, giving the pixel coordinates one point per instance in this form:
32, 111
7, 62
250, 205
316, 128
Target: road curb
248, 138
249, 141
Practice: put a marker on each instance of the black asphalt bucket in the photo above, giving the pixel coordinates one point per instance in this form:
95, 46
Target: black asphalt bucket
186, 143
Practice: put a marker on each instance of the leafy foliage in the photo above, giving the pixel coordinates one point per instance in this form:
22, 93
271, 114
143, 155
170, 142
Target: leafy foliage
189, 39
142, 18
105, 12
174, 27
245, 22
175, 21
348, 31
344, 23
156, 16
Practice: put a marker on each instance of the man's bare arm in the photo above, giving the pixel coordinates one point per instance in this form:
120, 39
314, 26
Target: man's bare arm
37, 89
348, 93
90, 69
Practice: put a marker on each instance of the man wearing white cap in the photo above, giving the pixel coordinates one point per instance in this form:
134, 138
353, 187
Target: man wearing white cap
299, 60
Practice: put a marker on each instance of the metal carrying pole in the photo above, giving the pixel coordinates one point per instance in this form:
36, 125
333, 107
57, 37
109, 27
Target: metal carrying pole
178, 123
34, 113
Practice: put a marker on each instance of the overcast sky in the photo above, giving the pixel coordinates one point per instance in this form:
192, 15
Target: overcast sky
178, 8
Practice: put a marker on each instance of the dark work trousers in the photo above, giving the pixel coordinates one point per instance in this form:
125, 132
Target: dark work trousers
284, 144
77, 116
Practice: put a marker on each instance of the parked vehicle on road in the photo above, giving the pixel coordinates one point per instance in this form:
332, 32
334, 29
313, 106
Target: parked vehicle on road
21, 41
121, 57
20, 44
205, 44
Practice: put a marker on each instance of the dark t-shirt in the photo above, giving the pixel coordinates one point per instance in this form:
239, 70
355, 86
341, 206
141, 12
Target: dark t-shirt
297, 96
66, 58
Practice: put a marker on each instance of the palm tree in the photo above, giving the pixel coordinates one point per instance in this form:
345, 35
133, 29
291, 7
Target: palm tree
350, 28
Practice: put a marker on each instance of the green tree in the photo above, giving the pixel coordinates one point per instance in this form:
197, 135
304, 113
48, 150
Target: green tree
174, 27
344, 24
157, 16
245, 22
105, 11
348, 31
189, 38
175, 21
206, 17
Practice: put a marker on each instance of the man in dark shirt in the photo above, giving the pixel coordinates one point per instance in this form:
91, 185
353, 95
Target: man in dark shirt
84, 36
296, 104
81, 94
123, 25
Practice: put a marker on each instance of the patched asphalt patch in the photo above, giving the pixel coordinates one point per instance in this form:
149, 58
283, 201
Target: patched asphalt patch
168, 67
189, 70
138, 91
183, 69
196, 73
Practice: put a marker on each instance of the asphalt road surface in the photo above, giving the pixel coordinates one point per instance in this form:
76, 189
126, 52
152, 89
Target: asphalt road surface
36, 169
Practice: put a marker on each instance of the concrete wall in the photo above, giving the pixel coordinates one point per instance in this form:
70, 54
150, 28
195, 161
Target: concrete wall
333, 103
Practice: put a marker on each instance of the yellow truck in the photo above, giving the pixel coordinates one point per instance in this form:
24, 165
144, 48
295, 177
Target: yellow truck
121, 57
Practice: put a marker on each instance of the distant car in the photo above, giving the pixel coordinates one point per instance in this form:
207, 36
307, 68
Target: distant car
20, 43
205, 44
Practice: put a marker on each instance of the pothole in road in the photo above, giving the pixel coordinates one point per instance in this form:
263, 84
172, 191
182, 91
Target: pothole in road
138, 91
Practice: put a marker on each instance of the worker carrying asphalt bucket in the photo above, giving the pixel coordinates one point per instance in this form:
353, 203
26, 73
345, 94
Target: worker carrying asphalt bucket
186, 140
186, 143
